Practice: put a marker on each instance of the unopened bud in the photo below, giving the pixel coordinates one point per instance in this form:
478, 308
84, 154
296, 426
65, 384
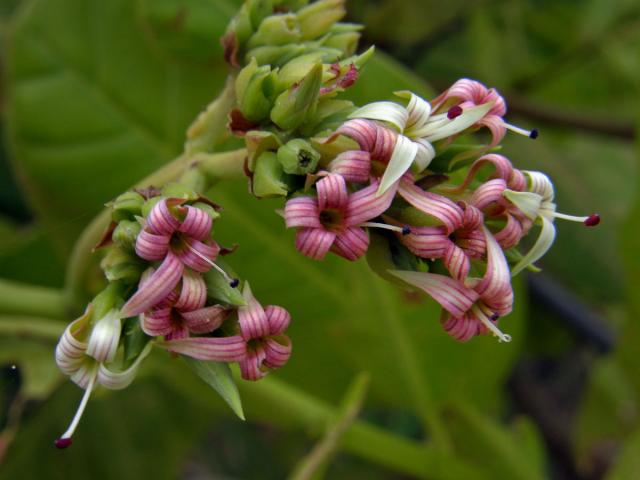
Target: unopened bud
259, 141
298, 157
148, 205
269, 177
121, 264
126, 232
317, 19
276, 30
126, 206
255, 88
294, 105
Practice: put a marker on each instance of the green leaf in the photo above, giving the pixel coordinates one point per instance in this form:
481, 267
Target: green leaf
218, 376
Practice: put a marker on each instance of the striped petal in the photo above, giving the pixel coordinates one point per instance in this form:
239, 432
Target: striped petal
151, 246
385, 143
366, 204
496, 126
277, 351
503, 168
426, 153
452, 295
403, 156
332, 193
105, 336
489, 192
542, 245
193, 294
457, 262
157, 286
450, 214
351, 243
510, 234
363, 132
157, 322
197, 223
251, 367
419, 111
426, 242
354, 166
119, 379
160, 220
205, 320
462, 328
496, 281
71, 349
314, 242
252, 317
218, 349
198, 255
389, 112
302, 212
278, 319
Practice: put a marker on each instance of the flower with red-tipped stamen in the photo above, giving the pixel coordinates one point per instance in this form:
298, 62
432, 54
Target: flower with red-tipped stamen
268, 348
334, 219
472, 308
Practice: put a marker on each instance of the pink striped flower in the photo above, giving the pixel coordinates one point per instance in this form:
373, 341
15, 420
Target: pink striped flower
465, 94
334, 220
179, 236
263, 330
473, 307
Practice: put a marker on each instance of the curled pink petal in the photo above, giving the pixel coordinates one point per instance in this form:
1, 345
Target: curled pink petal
384, 144
426, 242
517, 181
473, 217
160, 220
194, 254
511, 234
205, 320
361, 131
495, 124
218, 349
197, 223
151, 246
354, 166
193, 294
366, 204
179, 332
302, 212
278, 319
472, 242
488, 193
456, 262
450, 214
462, 328
157, 322
496, 282
503, 168
314, 242
332, 193
277, 351
351, 243
157, 286
252, 317
251, 366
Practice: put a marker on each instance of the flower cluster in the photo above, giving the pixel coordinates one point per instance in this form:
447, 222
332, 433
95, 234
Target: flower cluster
168, 288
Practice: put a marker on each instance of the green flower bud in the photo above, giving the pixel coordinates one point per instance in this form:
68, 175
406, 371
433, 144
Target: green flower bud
269, 179
317, 19
276, 30
291, 4
218, 288
329, 115
259, 141
120, 264
126, 232
294, 105
298, 157
275, 56
359, 60
126, 206
256, 87
299, 67
179, 190
346, 42
148, 205
258, 11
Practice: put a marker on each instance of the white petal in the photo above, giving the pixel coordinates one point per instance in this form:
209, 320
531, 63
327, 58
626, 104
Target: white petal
419, 110
385, 111
541, 184
542, 245
469, 117
105, 336
425, 154
527, 202
118, 380
403, 155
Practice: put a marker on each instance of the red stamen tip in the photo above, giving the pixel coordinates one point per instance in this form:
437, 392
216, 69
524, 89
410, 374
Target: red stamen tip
62, 443
592, 220
454, 112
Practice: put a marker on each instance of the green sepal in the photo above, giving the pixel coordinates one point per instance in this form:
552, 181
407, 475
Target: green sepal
126, 206
294, 105
218, 288
126, 233
134, 340
359, 60
120, 264
148, 205
329, 115
317, 18
276, 30
298, 157
269, 178
108, 299
259, 141
179, 190
258, 11
346, 42
256, 88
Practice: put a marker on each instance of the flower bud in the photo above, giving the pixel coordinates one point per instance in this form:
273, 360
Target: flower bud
121, 264
296, 69
148, 205
259, 141
317, 19
255, 88
291, 4
294, 105
269, 178
126, 232
258, 11
179, 190
344, 37
276, 30
275, 56
298, 157
126, 206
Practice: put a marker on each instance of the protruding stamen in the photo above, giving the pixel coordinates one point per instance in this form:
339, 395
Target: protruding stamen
454, 112
487, 322
533, 134
393, 228
592, 220
232, 281
65, 439
406, 230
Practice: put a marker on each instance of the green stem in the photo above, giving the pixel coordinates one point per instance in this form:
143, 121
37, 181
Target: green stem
220, 165
18, 298
31, 327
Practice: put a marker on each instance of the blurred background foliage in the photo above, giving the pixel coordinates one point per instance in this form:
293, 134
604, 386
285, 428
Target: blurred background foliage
95, 95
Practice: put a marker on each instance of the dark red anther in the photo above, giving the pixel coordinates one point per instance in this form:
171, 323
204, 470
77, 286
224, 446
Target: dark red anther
592, 220
406, 230
534, 134
454, 112
62, 443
